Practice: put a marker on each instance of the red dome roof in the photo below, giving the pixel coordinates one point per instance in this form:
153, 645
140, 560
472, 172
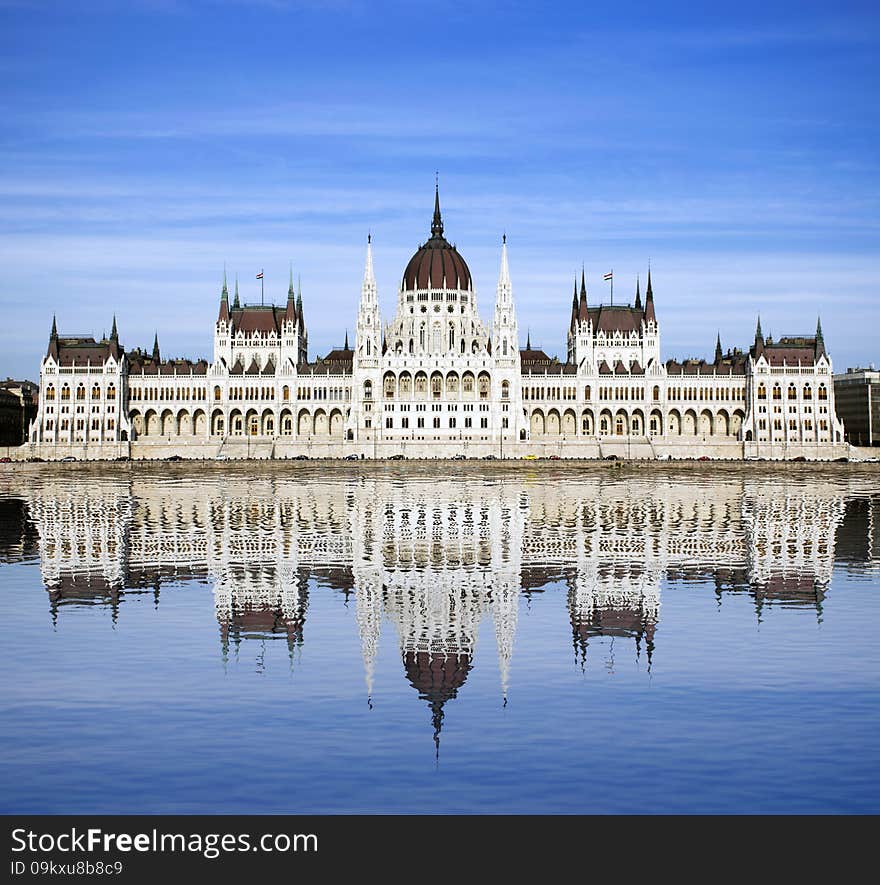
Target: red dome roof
437, 264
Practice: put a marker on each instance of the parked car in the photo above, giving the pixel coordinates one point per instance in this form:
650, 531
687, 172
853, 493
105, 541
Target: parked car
799, 458
352, 458
221, 458
530, 457
489, 458
174, 458
704, 458
396, 457
123, 458
459, 457
300, 457
842, 460
5, 460
67, 459
35, 460
611, 458
555, 458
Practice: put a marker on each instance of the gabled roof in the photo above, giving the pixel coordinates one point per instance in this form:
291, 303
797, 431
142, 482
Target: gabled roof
258, 318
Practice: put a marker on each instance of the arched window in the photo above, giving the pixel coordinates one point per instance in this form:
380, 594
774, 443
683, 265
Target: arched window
96, 392
50, 392
484, 386
111, 391
823, 393
467, 384
65, 393
808, 392
762, 392
285, 393
777, 392
389, 387
411, 345
587, 393
792, 392
504, 346
451, 337
422, 337
462, 345
368, 346
368, 389
435, 385
656, 393
505, 390
81, 392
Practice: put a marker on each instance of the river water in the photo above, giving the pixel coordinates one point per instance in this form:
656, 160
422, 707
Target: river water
440, 637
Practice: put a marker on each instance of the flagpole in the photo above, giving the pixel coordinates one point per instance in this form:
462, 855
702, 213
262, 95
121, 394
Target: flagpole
263, 289
612, 287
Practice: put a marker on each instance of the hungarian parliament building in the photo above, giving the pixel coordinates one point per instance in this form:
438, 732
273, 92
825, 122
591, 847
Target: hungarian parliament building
436, 381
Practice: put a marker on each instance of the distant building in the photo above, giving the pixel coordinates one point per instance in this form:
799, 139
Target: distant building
18, 407
858, 405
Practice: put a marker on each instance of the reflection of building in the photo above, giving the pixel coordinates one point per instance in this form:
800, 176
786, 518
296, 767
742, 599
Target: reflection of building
857, 393
440, 559
435, 381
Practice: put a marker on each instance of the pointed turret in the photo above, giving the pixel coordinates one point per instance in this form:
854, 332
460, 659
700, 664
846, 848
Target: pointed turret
53, 335
529, 339
759, 338
235, 302
505, 337
299, 305
638, 294
114, 334
650, 316
718, 355
574, 307
582, 304
345, 346
437, 223
820, 339
290, 314
156, 347
223, 316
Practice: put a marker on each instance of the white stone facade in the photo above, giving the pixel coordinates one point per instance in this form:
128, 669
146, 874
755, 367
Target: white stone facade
436, 381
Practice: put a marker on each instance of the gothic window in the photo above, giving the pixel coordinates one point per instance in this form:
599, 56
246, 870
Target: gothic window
451, 337
792, 392
484, 386
505, 390
823, 393
389, 387
762, 392
411, 345
81, 392
111, 392
422, 337
587, 392
368, 389
808, 392
777, 392
435, 386
50, 392
462, 345
436, 423
467, 384
504, 346
656, 393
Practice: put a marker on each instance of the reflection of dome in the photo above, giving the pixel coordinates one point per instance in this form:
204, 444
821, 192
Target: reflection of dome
437, 678
437, 264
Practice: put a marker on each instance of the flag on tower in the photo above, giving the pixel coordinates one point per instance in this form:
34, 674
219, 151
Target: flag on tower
260, 275
608, 276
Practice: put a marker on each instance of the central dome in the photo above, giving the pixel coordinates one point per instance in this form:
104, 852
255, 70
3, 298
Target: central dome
437, 264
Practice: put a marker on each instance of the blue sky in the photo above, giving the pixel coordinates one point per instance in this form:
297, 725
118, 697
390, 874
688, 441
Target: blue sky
144, 144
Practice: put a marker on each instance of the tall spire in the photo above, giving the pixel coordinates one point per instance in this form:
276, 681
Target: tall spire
718, 354
369, 276
820, 338
290, 292
759, 335
54, 333
638, 294
235, 302
582, 304
529, 339
224, 292
437, 223
504, 273
650, 316
156, 347
299, 303
346, 347
114, 334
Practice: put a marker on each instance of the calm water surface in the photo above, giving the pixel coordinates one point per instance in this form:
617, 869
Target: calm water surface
439, 638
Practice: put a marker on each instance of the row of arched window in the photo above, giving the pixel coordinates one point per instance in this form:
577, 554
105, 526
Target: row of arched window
80, 392
792, 393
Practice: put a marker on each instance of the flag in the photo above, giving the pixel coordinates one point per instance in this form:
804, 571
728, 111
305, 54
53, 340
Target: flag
260, 275
608, 276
